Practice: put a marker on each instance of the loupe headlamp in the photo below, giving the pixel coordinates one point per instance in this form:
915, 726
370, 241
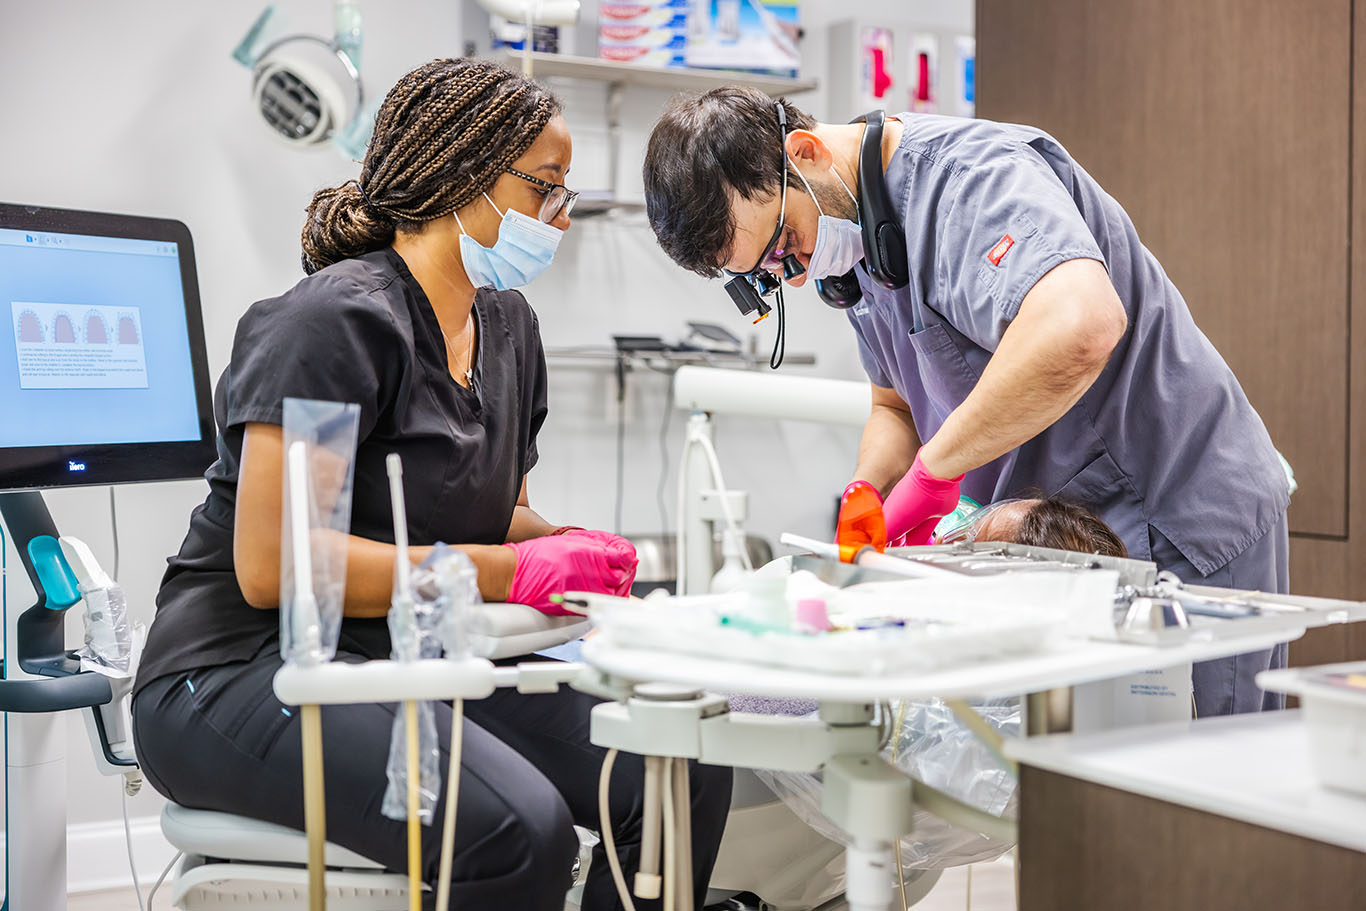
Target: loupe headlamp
748, 290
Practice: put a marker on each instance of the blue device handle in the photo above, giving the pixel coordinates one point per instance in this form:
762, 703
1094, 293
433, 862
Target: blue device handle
59, 582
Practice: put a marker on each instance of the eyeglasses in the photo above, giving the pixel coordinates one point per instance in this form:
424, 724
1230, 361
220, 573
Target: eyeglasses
748, 289
557, 197
967, 525
768, 260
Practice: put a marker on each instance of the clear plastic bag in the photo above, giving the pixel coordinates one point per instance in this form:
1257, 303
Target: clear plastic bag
395, 805
113, 645
108, 638
320, 448
933, 746
414, 622
449, 578
113, 642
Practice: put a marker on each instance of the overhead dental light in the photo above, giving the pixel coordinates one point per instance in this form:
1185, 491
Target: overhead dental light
306, 88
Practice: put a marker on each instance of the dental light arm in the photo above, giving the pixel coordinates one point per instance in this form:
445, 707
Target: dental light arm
705, 391
770, 395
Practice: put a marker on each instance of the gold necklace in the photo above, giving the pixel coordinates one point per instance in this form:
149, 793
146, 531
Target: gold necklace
469, 357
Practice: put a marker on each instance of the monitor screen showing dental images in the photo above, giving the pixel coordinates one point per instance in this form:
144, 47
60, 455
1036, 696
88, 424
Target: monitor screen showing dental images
103, 378
1048, 522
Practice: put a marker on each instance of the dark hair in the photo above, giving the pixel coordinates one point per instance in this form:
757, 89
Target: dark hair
1056, 523
444, 134
705, 151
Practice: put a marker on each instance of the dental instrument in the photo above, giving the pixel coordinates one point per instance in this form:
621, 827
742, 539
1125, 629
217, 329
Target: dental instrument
867, 557
403, 606
304, 616
460, 588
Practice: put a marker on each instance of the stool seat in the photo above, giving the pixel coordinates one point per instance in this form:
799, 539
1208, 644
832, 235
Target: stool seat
231, 837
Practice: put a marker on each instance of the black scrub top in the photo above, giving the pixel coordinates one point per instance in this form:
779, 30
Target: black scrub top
361, 331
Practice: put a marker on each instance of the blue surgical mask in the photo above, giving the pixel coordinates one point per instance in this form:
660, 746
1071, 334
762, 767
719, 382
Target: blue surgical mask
524, 249
839, 241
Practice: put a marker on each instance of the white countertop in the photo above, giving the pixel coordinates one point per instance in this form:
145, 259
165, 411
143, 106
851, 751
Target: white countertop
1071, 662
1253, 768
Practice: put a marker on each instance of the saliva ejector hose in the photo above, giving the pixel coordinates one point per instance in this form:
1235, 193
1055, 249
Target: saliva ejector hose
307, 629
403, 602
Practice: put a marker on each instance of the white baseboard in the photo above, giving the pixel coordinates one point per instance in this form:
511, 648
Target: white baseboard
97, 854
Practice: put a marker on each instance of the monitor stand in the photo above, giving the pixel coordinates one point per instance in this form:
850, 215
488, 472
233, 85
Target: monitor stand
40, 679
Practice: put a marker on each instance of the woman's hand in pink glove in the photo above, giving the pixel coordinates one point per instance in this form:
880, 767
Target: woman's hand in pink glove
916, 504
614, 544
574, 561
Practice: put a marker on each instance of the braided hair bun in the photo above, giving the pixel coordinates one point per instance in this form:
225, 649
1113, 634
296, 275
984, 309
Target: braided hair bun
444, 134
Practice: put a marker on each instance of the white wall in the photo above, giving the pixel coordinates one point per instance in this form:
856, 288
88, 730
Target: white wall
137, 107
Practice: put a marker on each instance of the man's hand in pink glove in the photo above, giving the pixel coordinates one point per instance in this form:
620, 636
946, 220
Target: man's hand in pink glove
574, 561
916, 504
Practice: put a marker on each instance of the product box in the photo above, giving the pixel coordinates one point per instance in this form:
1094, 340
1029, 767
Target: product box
642, 36
926, 66
512, 35
645, 32
752, 35
670, 13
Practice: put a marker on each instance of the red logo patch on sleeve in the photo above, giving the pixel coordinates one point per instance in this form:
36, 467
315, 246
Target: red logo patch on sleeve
1001, 249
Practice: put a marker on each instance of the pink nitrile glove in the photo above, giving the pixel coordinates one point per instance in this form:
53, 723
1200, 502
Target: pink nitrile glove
916, 504
613, 543
556, 564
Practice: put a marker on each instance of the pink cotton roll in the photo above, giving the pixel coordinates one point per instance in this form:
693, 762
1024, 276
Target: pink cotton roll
811, 614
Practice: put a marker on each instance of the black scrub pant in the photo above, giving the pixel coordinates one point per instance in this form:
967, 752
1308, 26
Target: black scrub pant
1227, 686
218, 739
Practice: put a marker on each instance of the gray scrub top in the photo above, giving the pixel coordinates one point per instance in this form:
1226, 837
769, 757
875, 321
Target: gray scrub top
1165, 437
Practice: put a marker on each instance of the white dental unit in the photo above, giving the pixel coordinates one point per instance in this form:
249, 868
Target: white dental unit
1022, 621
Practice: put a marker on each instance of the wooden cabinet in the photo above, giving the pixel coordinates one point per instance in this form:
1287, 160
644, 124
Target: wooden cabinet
1230, 131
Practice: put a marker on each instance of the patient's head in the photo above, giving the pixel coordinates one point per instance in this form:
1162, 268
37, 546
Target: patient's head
1040, 522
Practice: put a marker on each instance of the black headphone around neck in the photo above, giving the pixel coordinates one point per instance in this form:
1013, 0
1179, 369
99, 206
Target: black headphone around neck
884, 241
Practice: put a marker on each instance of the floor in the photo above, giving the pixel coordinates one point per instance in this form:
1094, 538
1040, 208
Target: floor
993, 889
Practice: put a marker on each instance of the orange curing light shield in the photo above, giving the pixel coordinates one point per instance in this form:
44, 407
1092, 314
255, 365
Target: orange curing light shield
861, 523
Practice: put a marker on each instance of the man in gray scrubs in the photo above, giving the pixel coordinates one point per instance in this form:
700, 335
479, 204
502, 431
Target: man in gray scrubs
1037, 345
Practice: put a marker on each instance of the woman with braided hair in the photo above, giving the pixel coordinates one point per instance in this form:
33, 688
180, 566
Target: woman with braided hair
408, 310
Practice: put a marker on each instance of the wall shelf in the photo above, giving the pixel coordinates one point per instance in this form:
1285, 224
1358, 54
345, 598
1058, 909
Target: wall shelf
618, 77
679, 79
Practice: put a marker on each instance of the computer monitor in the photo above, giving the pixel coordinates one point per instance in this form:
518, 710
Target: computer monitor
103, 379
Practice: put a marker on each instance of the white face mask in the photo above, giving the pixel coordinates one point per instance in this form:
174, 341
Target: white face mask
839, 241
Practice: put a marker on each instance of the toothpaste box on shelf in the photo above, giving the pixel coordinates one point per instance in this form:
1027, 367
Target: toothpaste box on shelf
752, 35
668, 13
644, 32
